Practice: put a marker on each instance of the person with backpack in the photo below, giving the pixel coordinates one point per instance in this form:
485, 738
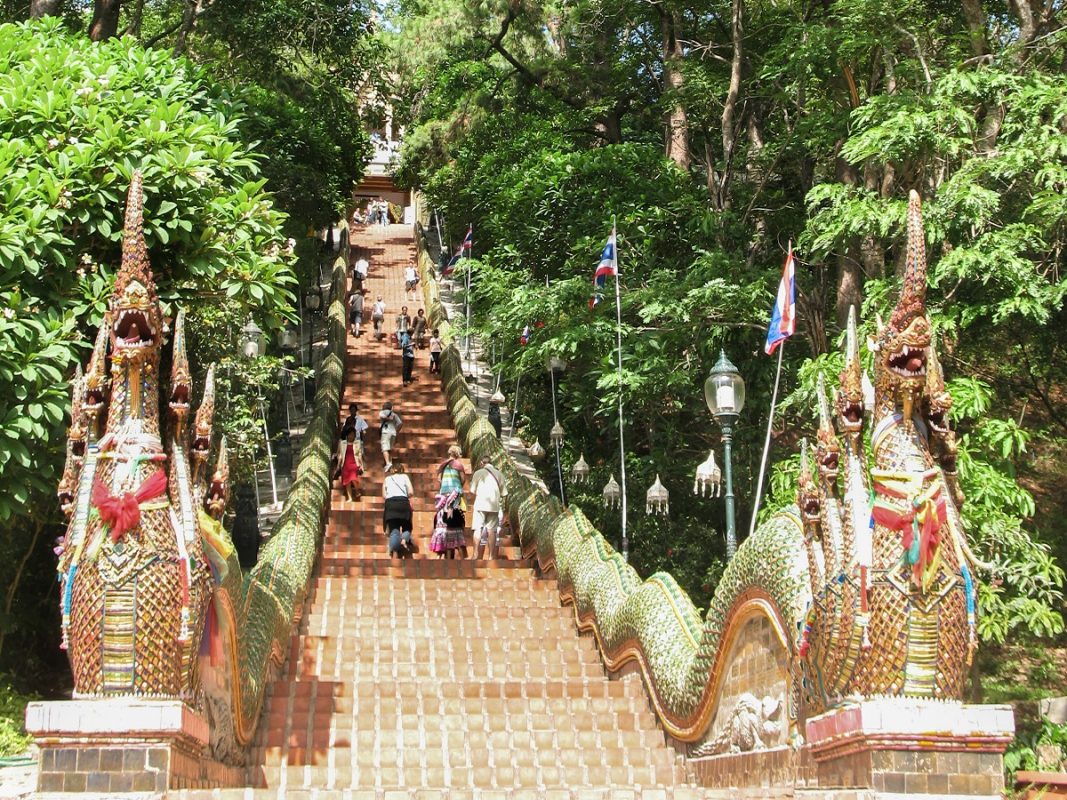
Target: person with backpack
490, 489
390, 424
355, 312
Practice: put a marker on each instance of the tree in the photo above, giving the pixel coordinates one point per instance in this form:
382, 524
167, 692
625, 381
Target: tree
803, 121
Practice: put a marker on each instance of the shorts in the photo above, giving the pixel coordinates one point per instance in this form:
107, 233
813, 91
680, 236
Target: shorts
355, 318
483, 523
410, 285
387, 441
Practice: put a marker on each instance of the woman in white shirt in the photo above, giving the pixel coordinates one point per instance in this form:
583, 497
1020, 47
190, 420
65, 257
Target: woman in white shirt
377, 316
397, 490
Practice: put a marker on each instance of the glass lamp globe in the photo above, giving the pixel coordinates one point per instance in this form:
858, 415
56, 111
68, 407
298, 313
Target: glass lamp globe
724, 390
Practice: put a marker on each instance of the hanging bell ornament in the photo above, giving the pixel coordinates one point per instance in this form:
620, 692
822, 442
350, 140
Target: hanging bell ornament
556, 434
612, 493
708, 478
580, 470
535, 451
657, 499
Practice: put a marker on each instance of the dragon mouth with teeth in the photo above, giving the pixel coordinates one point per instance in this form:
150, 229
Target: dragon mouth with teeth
851, 414
134, 330
179, 398
937, 421
908, 362
828, 461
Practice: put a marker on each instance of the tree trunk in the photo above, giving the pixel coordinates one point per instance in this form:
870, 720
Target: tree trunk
45, 8
678, 122
976, 22
16, 579
133, 27
849, 270
188, 21
105, 22
729, 109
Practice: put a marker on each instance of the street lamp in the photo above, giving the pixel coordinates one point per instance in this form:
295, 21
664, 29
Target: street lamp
724, 392
252, 336
556, 364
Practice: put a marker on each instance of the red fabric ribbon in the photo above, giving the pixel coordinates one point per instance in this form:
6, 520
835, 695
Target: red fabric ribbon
931, 514
123, 512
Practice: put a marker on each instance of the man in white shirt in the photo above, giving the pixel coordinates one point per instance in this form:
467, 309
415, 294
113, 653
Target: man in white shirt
489, 490
359, 274
411, 278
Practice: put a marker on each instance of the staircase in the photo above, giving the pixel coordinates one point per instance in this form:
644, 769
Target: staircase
435, 678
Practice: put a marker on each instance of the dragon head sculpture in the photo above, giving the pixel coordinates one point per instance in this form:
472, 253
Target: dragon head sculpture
827, 448
849, 401
137, 320
202, 428
95, 385
903, 344
218, 490
181, 389
133, 574
809, 500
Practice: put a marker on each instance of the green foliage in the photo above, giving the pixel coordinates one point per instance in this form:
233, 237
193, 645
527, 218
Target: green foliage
75, 119
13, 737
1022, 753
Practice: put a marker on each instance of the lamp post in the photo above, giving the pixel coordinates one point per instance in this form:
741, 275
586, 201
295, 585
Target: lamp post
252, 336
724, 392
556, 364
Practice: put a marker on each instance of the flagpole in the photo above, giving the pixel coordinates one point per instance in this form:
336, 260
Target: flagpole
767, 441
618, 341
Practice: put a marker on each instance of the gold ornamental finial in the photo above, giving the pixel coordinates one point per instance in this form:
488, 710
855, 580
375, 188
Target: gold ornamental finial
912, 301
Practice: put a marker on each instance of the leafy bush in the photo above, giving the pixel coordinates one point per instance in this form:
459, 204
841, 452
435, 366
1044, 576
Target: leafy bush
13, 736
75, 119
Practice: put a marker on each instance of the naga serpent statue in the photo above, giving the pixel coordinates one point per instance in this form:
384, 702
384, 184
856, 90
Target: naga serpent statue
866, 585
143, 538
893, 608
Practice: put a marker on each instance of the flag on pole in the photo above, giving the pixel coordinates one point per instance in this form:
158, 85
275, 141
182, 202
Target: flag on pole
450, 267
784, 314
608, 267
463, 250
524, 337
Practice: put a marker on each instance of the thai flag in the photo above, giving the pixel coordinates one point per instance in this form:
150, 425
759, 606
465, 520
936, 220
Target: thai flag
608, 266
784, 314
524, 337
450, 267
468, 242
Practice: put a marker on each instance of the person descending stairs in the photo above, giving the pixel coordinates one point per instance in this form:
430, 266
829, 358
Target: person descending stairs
438, 678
